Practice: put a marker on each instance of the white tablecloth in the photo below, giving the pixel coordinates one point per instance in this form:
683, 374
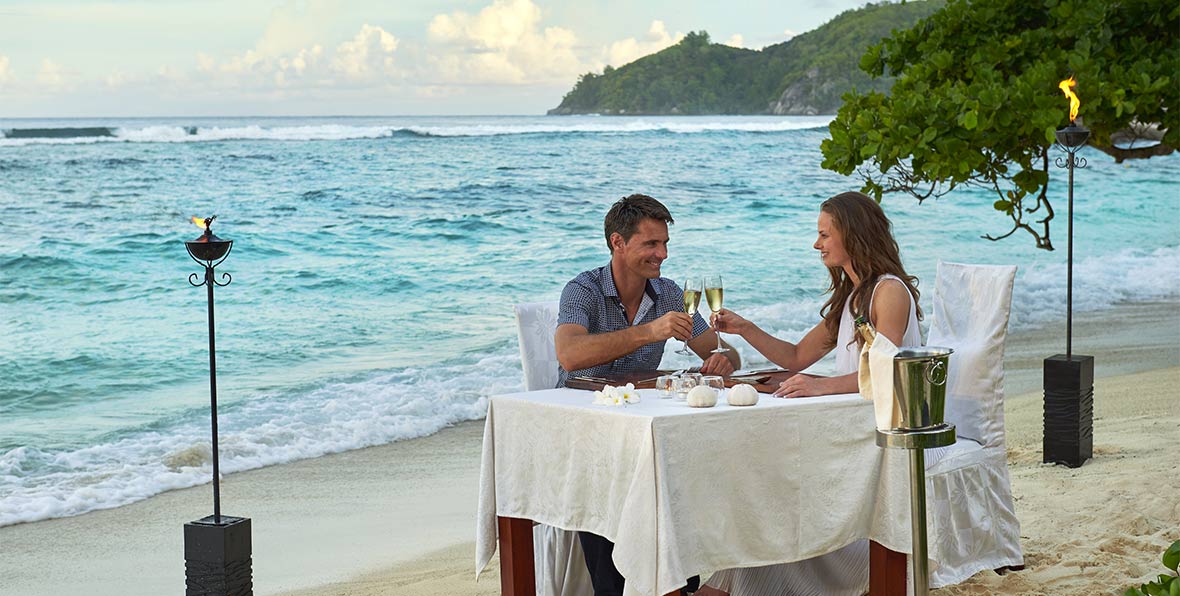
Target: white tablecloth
682, 491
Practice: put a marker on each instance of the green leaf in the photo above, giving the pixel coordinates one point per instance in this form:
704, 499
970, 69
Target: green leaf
970, 120
1171, 556
941, 60
1004, 206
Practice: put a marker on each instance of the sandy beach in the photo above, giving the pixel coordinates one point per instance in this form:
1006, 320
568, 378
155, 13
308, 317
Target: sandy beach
400, 518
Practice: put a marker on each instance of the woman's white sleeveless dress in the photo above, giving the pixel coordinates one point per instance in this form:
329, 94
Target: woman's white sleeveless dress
845, 571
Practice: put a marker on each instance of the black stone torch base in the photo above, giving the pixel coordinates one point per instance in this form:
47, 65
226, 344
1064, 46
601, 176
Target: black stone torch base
217, 557
1069, 409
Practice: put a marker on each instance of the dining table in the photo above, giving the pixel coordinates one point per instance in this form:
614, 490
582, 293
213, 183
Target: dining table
683, 490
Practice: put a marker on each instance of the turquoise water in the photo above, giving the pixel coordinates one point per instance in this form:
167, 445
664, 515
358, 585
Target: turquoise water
376, 261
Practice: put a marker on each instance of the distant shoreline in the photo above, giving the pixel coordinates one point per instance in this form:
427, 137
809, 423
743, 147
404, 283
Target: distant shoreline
558, 112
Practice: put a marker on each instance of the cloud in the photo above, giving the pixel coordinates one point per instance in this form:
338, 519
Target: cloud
735, 40
502, 44
6, 75
51, 74
369, 52
304, 60
369, 56
505, 47
116, 79
295, 26
628, 50
788, 34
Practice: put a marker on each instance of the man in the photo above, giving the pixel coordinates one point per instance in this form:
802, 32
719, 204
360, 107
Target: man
617, 318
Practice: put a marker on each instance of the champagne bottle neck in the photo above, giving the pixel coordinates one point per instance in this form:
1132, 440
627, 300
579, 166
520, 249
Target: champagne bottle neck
866, 331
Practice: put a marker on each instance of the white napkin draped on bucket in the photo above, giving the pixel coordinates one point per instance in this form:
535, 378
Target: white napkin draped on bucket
875, 378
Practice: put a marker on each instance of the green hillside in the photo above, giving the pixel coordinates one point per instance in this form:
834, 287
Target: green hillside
806, 75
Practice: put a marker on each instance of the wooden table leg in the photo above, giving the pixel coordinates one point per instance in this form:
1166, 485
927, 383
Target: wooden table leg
886, 571
517, 576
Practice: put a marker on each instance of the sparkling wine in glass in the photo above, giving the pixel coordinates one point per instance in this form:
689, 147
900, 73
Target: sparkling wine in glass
714, 291
692, 299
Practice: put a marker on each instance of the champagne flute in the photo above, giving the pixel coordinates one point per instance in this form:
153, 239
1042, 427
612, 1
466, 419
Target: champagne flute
692, 299
714, 290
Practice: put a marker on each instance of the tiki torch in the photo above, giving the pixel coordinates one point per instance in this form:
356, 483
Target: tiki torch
1069, 378
217, 547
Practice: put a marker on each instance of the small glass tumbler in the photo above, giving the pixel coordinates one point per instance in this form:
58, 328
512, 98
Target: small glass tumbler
682, 384
664, 385
716, 382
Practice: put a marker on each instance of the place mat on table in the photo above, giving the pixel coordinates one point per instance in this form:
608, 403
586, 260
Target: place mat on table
642, 379
765, 381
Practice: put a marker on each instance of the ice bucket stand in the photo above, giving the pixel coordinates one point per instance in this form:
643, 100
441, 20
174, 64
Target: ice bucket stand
917, 441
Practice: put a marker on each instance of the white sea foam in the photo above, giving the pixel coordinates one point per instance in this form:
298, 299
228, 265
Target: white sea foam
270, 429
1130, 275
633, 126
334, 132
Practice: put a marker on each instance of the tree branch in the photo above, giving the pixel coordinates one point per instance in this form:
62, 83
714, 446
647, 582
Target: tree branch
1018, 212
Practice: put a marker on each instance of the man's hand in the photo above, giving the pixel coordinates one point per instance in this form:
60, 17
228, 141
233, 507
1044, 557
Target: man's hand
801, 386
717, 364
675, 324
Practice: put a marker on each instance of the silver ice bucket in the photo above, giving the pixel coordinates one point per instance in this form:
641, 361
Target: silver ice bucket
919, 385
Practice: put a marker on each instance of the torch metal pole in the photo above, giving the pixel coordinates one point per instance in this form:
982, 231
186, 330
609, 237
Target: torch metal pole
213, 400
1069, 273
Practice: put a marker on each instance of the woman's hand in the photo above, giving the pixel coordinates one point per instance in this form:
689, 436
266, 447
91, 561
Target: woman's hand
801, 386
727, 321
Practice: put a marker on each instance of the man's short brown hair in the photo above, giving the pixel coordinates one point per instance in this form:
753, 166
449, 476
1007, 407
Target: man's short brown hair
624, 216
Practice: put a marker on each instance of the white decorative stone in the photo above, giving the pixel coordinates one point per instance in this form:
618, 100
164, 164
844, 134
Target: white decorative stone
702, 396
742, 395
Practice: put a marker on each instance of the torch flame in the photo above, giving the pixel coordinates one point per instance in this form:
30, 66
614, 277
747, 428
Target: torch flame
1067, 88
203, 222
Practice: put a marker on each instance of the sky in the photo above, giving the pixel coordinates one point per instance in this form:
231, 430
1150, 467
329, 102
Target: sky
153, 58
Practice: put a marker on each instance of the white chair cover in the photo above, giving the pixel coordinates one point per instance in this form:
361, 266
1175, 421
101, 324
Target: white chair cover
969, 496
536, 327
557, 554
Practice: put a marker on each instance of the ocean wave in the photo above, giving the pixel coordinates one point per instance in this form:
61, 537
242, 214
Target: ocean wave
1099, 282
637, 126
270, 429
59, 133
34, 264
337, 132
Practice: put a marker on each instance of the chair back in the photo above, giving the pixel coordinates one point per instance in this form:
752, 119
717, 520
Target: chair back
971, 308
536, 325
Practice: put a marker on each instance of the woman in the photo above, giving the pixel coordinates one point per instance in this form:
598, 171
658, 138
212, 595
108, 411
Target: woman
856, 244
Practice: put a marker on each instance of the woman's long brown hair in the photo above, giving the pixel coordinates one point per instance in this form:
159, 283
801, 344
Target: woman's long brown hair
868, 239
